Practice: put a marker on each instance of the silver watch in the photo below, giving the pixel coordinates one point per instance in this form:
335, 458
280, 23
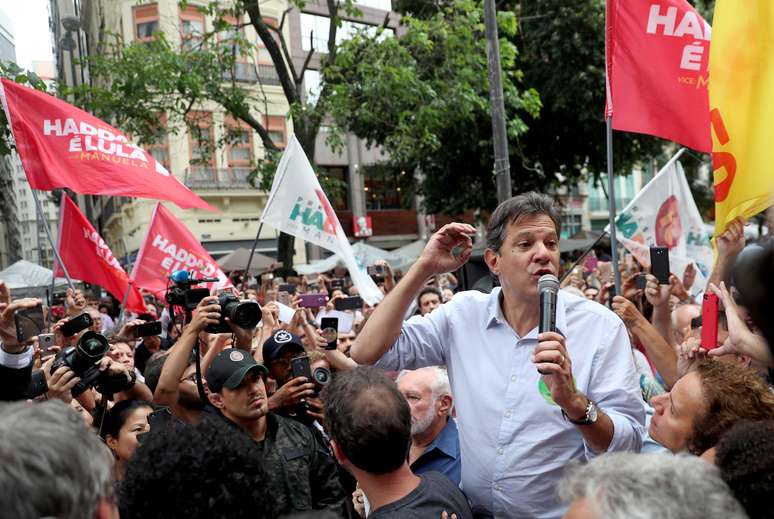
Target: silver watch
592, 413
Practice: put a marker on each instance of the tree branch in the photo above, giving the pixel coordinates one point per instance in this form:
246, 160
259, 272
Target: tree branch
262, 132
333, 13
287, 83
283, 44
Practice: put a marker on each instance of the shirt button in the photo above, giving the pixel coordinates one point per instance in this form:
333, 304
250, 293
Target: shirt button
507, 414
513, 378
499, 451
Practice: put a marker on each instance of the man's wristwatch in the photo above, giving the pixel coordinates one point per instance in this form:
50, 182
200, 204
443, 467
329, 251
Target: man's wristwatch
591, 415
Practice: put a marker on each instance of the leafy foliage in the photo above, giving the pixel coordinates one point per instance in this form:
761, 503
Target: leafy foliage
424, 97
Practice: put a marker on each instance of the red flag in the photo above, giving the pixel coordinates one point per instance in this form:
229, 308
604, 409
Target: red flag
170, 246
63, 146
88, 257
657, 57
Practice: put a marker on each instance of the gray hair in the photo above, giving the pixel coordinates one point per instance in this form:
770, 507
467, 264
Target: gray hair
526, 204
639, 486
53, 465
439, 385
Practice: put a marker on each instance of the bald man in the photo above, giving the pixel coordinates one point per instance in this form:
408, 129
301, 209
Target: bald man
435, 444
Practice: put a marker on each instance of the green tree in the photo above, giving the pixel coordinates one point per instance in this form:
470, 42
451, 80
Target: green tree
424, 97
132, 83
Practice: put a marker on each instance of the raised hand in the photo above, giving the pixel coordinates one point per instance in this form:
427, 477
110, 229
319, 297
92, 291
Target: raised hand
207, 313
657, 295
438, 256
7, 321
731, 241
76, 302
292, 393
626, 310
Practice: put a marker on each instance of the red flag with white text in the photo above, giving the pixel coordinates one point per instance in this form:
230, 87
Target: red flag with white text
657, 70
63, 146
170, 246
88, 258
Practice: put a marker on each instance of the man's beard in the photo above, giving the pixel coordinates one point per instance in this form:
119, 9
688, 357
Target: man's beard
190, 402
423, 423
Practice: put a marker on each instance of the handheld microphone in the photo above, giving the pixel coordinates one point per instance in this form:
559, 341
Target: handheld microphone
548, 286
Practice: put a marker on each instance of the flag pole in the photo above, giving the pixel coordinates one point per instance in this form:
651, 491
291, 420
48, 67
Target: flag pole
42, 216
611, 205
250, 259
123, 304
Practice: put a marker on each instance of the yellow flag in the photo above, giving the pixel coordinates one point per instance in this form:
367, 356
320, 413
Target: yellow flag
741, 88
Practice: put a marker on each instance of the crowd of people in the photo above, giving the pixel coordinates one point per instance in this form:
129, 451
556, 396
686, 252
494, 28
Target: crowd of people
437, 402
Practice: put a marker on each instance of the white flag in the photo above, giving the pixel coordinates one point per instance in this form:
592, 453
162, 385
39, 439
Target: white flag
297, 205
664, 214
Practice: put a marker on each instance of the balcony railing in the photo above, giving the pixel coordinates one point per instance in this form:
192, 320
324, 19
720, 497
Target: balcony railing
217, 178
242, 72
268, 75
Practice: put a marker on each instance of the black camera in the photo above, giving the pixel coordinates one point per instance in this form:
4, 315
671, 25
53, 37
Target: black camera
181, 294
82, 359
244, 314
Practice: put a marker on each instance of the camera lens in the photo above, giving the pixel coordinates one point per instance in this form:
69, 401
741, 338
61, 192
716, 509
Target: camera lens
90, 349
245, 314
321, 376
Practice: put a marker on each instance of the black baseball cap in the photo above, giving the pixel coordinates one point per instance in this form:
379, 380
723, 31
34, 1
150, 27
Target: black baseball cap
229, 368
280, 340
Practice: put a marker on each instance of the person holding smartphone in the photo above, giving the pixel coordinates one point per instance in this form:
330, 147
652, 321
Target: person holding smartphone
527, 403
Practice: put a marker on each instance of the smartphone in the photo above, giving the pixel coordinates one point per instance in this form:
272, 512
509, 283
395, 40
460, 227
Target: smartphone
611, 293
376, 270
349, 303
29, 322
659, 264
313, 300
148, 329
300, 367
58, 298
337, 283
709, 321
284, 298
641, 281
76, 324
329, 327
289, 288
45, 341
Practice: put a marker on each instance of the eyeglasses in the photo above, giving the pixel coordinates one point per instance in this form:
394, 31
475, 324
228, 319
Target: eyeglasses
189, 378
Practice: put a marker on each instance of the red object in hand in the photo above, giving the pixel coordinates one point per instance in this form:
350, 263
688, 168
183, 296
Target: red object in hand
709, 322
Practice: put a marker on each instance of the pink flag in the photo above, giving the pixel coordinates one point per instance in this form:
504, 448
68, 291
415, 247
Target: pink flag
170, 246
657, 57
87, 257
63, 146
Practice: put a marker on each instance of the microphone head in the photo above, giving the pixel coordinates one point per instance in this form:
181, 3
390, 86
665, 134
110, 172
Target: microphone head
180, 276
548, 282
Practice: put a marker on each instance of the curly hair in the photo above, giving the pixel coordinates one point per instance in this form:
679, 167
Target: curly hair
203, 470
369, 419
745, 457
731, 393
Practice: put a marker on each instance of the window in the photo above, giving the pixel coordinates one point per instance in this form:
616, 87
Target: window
240, 149
146, 21
201, 139
312, 86
160, 149
275, 124
191, 28
386, 187
339, 197
571, 225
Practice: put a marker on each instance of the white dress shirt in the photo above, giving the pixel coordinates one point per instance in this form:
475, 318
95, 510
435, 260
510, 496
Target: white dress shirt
514, 440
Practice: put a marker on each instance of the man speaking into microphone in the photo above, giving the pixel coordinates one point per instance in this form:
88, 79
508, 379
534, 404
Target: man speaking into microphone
527, 402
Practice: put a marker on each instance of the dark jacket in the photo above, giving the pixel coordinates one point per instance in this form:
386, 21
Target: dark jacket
303, 475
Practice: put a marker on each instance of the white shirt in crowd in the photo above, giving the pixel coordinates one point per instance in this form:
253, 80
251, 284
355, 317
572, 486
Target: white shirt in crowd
514, 441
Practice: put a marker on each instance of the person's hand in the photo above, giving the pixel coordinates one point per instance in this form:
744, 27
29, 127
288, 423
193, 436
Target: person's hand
316, 409
60, 382
689, 354
358, 501
627, 311
75, 302
657, 295
292, 393
677, 288
295, 302
741, 340
629, 287
316, 341
445, 515
604, 292
438, 256
731, 241
332, 302
111, 367
270, 316
61, 339
127, 330
207, 313
553, 362
689, 276
7, 321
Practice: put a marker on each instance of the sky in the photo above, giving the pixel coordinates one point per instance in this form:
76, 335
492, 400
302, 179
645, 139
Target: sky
29, 24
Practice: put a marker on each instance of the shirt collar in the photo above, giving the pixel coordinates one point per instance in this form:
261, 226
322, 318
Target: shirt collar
495, 311
446, 441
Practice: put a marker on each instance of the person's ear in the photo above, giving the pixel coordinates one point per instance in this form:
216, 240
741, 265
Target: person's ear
444, 405
341, 458
112, 444
216, 399
491, 258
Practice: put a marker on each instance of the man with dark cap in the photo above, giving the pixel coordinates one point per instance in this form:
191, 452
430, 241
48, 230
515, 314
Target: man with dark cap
302, 475
294, 396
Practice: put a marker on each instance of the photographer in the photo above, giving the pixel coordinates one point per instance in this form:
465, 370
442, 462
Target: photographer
15, 358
